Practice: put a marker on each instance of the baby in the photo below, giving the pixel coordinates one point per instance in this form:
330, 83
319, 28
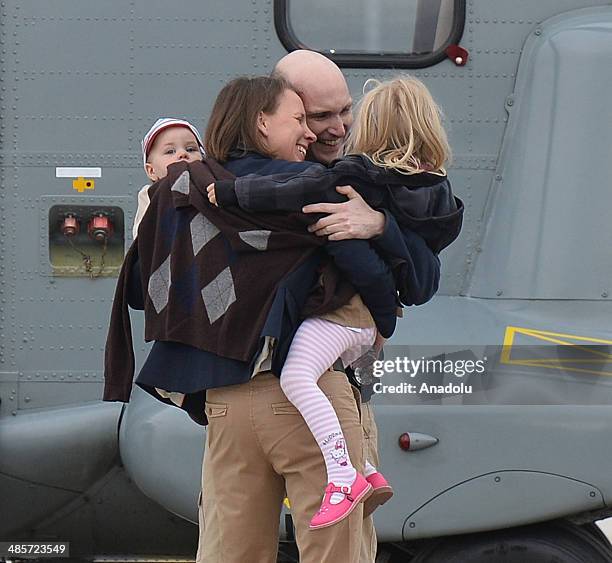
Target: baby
169, 140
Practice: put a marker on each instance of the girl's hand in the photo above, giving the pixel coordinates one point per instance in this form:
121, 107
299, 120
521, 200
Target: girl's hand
212, 197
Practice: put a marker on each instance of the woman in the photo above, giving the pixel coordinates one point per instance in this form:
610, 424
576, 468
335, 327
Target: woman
255, 123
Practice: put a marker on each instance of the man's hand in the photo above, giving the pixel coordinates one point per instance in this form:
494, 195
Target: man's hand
349, 220
378, 344
212, 196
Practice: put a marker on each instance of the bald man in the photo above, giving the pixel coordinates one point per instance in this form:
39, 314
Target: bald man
326, 98
244, 479
328, 104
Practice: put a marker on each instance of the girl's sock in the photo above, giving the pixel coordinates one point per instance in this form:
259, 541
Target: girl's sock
369, 469
315, 347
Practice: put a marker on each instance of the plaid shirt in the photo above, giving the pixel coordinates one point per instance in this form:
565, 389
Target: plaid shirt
423, 202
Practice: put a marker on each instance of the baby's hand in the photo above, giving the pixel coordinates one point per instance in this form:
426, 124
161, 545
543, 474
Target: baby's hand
212, 197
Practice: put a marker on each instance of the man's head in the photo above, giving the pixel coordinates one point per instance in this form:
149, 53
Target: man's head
326, 97
168, 141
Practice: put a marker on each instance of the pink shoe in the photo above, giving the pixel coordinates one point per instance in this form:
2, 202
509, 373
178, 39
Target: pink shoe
329, 513
381, 493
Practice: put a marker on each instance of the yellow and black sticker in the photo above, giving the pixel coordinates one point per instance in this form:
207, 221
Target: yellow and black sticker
81, 184
585, 354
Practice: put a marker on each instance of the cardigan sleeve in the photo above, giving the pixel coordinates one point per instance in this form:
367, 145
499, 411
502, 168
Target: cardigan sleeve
119, 360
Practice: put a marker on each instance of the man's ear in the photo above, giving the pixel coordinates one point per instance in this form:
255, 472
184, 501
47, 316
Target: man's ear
150, 172
262, 123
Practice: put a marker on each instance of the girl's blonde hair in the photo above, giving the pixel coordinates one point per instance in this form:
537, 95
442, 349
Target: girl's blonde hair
398, 126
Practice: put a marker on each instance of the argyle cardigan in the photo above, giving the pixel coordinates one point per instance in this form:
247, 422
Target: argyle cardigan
203, 272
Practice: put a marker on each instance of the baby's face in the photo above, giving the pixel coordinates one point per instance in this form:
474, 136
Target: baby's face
171, 145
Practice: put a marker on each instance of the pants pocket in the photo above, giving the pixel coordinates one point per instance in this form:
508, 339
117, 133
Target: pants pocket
215, 410
284, 408
288, 408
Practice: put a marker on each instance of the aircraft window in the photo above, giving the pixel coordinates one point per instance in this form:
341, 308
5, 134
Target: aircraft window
367, 34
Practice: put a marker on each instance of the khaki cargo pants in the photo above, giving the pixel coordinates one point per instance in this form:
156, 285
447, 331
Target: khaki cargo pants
257, 447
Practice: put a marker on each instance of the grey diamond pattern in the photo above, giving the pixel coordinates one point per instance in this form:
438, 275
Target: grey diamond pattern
182, 183
256, 239
202, 231
159, 286
218, 295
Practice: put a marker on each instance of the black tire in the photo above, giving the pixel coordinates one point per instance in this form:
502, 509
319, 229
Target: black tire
549, 543
596, 532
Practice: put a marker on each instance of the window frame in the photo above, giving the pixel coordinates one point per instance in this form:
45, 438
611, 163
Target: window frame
287, 37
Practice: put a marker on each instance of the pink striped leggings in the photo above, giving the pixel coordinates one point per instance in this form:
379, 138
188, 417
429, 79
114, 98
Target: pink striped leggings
316, 346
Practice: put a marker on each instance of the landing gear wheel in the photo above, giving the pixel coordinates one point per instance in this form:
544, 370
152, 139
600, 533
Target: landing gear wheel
547, 543
599, 536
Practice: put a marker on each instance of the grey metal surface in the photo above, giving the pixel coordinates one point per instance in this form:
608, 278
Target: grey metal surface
549, 232
25, 504
50, 457
565, 440
65, 448
162, 450
504, 499
478, 441
113, 516
80, 84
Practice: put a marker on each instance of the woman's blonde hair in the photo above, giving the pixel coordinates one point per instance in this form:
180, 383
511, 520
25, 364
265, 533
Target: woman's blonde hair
399, 126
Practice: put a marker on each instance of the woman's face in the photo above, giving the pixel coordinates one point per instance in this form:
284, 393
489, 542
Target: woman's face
285, 133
